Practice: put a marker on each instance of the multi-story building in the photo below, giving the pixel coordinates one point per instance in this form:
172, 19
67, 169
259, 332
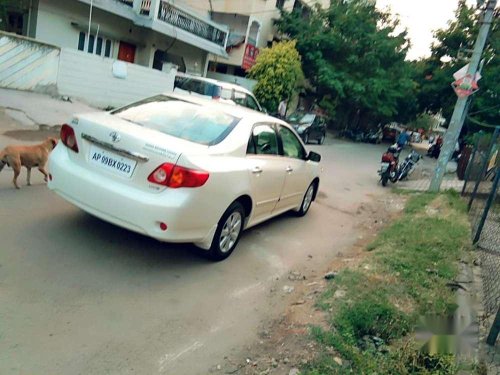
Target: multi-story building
251, 28
152, 33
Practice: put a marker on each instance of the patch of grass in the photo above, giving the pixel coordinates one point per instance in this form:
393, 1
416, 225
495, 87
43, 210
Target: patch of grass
372, 316
374, 308
418, 202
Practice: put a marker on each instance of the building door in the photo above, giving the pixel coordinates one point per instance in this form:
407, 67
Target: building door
126, 52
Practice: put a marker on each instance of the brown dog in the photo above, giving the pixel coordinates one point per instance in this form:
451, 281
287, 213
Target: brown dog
28, 156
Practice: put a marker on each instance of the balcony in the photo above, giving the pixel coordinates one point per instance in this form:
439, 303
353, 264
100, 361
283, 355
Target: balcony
177, 22
181, 19
145, 5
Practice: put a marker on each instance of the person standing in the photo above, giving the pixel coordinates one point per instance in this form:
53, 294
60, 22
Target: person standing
403, 139
282, 107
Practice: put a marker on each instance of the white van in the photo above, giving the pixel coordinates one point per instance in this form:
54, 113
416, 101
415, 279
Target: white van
218, 90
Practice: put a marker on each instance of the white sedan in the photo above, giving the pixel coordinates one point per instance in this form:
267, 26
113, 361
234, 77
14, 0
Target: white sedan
184, 169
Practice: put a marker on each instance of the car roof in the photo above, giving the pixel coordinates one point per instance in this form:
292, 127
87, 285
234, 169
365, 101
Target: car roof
230, 109
223, 84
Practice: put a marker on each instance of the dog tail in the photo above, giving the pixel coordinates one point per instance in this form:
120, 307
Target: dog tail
2, 160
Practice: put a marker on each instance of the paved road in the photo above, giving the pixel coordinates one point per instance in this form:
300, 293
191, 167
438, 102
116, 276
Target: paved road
80, 296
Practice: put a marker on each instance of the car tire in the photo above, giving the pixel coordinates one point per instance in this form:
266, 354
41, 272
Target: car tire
321, 140
228, 232
307, 200
306, 138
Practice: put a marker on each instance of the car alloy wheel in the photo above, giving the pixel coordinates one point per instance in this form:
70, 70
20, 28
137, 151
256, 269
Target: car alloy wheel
307, 200
228, 232
321, 140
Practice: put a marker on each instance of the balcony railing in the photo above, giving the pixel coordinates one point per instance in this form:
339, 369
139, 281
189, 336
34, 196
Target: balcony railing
188, 22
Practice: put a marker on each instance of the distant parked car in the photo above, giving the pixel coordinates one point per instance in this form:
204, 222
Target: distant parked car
217, 90
309, 126
184, 169
389, 134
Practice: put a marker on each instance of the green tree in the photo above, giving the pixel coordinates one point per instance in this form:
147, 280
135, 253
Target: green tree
278, 72
355, 59
450, 52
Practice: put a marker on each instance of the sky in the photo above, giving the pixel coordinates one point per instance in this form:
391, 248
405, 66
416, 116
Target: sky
421, 17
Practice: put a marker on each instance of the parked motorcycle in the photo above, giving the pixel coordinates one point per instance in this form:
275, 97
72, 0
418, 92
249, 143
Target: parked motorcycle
373, 136
391, 170
389, 165
408, 165
435, 148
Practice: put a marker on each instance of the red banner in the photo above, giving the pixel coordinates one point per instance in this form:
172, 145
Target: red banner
251, 53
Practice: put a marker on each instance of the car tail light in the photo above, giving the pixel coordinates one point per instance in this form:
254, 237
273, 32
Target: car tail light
162, 174
68, 137
184, 177
175, 176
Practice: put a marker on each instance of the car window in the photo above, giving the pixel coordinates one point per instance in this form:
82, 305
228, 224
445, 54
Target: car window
263, 141
292, 147
197, 86
180, 119
226, 94
251, 103
239, 97
308, 118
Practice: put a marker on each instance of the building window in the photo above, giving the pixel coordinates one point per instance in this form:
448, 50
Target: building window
98, 47
95, 45
280, 4
91, 44
107, 51
81, 41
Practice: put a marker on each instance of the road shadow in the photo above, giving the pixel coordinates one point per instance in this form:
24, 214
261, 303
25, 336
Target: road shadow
89, 239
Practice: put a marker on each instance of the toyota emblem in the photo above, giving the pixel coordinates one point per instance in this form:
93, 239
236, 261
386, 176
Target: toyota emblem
115, 137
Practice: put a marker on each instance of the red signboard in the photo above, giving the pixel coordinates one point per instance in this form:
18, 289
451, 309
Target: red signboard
465, 86
251, 53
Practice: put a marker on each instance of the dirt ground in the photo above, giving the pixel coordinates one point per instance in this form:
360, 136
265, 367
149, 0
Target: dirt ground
284, 344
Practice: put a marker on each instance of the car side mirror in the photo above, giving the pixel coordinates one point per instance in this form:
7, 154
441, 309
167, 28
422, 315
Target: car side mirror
314, 156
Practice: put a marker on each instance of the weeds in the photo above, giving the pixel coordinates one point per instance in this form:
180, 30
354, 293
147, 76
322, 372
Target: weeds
374, 309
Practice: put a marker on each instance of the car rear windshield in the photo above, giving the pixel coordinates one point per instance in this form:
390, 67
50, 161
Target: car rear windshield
197, 86
180, 119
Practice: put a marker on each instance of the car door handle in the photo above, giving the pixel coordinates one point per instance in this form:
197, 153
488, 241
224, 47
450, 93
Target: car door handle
289, 169
257, 170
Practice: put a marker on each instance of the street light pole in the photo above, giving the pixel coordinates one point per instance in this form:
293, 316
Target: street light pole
458, 117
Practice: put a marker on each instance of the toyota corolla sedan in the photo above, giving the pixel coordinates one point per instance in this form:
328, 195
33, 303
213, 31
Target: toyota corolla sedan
184, 169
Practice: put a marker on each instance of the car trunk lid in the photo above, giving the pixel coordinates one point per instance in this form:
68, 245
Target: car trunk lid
124, 151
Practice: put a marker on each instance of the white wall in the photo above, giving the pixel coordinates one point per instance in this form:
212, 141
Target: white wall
194, 58
27, 66
59, 22
90, 78
245, 82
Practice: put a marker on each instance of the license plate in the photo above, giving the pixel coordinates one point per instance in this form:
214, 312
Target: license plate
384, 167
111, 161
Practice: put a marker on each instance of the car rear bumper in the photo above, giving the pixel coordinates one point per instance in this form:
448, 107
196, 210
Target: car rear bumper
130, 208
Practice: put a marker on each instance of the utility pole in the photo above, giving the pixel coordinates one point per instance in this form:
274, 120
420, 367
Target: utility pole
458, 117
90, 17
